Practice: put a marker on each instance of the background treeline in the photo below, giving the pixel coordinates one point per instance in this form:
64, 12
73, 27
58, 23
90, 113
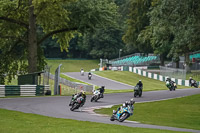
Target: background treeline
31, 30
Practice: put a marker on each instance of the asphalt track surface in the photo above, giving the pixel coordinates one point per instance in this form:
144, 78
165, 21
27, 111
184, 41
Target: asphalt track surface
99, 81
57, 106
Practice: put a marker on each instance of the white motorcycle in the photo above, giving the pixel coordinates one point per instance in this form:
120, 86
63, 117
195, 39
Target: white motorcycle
96, 96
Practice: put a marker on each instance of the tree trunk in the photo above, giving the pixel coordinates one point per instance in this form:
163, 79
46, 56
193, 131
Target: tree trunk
187, 61
162, 62
32, 40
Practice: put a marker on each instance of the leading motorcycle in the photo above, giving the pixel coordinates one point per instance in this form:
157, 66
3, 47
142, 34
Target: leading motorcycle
82, 72
122, 114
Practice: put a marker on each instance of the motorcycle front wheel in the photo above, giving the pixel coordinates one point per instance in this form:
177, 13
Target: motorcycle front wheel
76, 106
195, 85
123, 117
112, 118
92, 99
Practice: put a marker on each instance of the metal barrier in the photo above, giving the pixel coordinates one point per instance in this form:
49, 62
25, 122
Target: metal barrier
23, 90
173, 72
75, 85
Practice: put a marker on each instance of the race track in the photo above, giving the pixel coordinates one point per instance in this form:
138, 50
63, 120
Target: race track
99, 81
57, 106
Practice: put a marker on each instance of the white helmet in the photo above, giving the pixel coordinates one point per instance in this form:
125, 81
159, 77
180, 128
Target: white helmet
132, 101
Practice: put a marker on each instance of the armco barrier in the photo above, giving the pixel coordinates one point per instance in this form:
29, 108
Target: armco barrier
12, 90
23, 90
140, 71
159, 77
2, 90
27, 90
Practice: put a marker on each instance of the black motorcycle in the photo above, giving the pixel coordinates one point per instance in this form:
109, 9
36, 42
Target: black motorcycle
137, 91
194, 83
89, 76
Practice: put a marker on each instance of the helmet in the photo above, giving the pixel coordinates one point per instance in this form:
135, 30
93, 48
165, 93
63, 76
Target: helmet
132, 101
126, 102
190, 77
140, 80
83, 92
102, 86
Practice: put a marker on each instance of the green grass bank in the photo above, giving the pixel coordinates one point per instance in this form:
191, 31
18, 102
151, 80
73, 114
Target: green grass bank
72, 65
17, 122
180, 112
132, 79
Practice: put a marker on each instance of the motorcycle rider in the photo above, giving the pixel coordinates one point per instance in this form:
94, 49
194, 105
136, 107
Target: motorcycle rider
126, 104
82, 71
140, 84
89, 74
190, 82
101, 91
168, 79
80, 94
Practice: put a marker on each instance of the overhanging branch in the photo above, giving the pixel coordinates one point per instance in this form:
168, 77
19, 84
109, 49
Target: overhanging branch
55, 32
15, 21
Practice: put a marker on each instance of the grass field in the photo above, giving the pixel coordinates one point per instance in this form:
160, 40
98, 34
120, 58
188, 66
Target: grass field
72, 65
132, 79
17, 122
181, 112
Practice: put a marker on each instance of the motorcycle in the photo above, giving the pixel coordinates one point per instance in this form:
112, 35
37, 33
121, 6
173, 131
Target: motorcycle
122, 114
73, 100
137, 91
97, 95
82, 72
194, 83
89, 76
76, 103
171, 85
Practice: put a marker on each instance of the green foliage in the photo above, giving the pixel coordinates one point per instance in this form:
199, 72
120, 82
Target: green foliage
103, 44
59, 19
137, 22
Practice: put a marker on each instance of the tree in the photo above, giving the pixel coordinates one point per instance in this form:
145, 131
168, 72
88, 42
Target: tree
175, 27
102, 44
59, 19
158, 34
137, 22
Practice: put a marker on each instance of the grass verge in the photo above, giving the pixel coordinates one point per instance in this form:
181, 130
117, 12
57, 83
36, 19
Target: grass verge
132, 79
72, 65
180, 112
17, 122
